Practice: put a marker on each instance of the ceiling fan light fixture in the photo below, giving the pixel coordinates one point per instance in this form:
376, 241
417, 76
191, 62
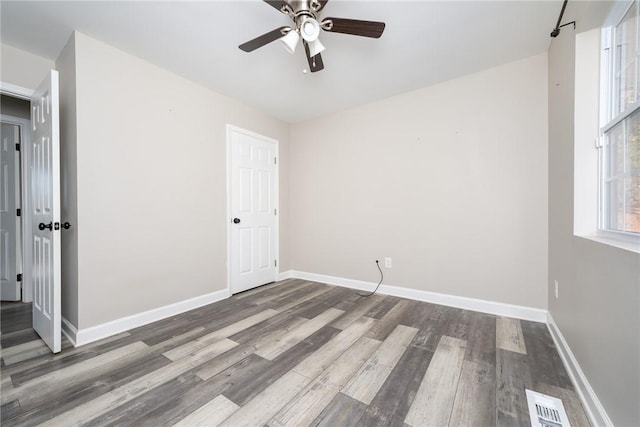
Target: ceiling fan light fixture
290, 41
304, 17
315, 47
310, 29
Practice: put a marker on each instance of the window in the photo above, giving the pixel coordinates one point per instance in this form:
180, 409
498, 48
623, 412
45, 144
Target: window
620, 126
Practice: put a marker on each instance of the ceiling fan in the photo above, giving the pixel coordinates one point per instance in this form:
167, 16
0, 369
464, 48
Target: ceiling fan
306, 25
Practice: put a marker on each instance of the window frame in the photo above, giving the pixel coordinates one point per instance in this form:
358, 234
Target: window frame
608, 122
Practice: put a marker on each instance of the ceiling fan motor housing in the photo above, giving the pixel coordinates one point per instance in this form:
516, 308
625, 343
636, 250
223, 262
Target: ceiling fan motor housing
304, 16
304, 6
307, 23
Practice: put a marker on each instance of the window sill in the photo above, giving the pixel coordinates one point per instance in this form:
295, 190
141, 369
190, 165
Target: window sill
627, 243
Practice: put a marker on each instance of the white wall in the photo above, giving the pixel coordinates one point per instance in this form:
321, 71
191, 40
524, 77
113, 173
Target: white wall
151, 177
450, 181
21, 68
598, 309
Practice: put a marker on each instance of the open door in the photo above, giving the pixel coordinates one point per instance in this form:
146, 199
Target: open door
45, 211
10, 289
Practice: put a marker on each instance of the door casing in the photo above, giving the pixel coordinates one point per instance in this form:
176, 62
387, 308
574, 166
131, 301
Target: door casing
275, 142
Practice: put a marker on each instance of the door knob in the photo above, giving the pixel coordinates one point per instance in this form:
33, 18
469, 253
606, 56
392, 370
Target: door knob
42, 226
236, 220
66, 225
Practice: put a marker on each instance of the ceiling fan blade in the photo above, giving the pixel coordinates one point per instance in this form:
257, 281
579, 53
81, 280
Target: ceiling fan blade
315, 63
354, 26
278, 4
264, 39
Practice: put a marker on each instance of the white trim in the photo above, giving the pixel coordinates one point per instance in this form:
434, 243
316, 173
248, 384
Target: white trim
69, 331
592, 406
609, 97
619, 118
98, 332
484, 306
285, 275
276, 196
229, 175
631, 244
618, 10
16, 91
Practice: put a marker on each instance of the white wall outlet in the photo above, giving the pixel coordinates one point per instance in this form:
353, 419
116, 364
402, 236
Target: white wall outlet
556, 288
387, 262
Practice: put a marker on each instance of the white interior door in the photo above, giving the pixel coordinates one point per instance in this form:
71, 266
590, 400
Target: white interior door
45, 210
9, 191
253, 209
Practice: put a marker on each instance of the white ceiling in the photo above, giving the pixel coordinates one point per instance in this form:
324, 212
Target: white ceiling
425, 42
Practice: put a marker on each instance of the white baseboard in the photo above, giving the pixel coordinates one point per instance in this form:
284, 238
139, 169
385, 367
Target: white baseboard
592, 406
69, 331
484, 306
285, 275
94, 333
594, 409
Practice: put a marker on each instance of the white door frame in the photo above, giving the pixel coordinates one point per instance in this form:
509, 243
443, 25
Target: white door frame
16, 91
25, 218
275, 142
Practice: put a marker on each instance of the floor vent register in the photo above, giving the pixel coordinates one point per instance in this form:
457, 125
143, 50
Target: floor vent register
546, 411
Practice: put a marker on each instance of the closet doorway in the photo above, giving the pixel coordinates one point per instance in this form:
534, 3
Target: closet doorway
15, 136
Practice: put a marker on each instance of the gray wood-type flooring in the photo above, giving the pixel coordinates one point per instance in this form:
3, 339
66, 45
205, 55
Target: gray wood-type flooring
292, 353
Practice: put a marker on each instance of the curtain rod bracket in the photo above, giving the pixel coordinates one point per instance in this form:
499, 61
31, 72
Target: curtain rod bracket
556, 30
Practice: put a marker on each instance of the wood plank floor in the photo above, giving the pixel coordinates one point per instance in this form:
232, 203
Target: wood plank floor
293, 353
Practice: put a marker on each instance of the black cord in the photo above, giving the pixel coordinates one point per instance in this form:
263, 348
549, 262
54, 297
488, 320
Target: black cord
381, 278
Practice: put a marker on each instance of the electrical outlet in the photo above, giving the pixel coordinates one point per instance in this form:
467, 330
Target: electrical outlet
556, 288
387, 262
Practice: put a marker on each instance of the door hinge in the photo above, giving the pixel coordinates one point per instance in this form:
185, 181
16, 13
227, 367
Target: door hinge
19, 277
275, 262
275, 211
17, 146
18, 212
275, 160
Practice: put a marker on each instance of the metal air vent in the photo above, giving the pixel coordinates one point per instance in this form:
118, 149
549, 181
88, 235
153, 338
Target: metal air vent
546, 411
